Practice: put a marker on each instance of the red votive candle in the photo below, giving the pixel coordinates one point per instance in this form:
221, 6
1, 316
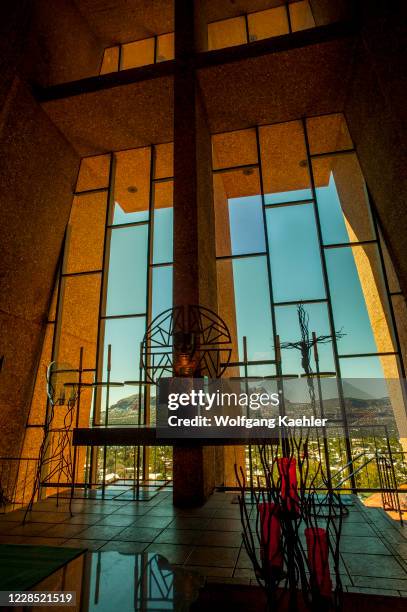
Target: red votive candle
317, 547
271, 534
288, 473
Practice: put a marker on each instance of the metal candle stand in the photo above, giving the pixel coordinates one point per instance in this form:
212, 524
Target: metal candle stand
286, 509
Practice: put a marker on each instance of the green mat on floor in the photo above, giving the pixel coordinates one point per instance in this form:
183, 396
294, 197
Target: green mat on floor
22, 567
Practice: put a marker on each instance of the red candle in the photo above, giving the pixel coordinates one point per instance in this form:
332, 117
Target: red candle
271, 534
317, 546
288, 473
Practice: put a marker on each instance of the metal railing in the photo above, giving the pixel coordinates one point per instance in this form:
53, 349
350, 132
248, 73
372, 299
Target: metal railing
388, 486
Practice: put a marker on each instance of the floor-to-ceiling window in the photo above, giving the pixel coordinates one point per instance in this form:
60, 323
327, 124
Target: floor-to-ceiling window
115, 277
294, 226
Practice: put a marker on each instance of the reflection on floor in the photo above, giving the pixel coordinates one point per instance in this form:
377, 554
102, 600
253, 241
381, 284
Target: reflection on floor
208, 539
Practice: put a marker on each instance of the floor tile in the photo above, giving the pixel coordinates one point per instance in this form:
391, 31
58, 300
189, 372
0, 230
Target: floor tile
210, 556
228, 512
227, 580
47, 517
244, 573
210, 570
84, 519
218, 524
118, 520
138, 534
28, 529
133, 509
10, 539
7, 526
179, 536
163, 511
125, 547
89, 509
400, 548
380, 583
82, 543
203, 512
62, 530
43, 541
373, 591
373, 566
185, 522
244, 561
372, 546
101, 532
221, 538
157, 522
357, 529
172, 552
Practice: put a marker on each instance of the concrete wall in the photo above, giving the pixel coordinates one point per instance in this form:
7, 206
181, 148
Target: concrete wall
37, 176
61, 46
42, 43
375, 110
46, 43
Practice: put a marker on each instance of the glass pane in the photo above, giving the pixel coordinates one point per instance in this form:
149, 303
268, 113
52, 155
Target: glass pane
234, 149
328, 133
164, 160
359, 302
385, 366
78, 326
93, 173
265, 24
301, 15
131, 186
244, 304
127, 275
125, 337
284, 163
288, 329
227, 33
342, 199
383, 385
296, 269
163, 223
238, 212
138, 53
162, 290
165, 47
86, 233
110, 62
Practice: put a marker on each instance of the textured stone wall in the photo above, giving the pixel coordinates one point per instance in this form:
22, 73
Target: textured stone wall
37, 177
375, 111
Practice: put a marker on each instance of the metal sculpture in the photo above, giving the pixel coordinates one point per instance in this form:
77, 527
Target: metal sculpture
291, 533
56, 463
186, 341
291, 538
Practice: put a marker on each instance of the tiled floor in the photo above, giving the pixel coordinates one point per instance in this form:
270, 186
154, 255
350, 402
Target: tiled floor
208, 539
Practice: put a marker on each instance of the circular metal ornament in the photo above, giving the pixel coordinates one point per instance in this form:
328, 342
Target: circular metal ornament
186, 341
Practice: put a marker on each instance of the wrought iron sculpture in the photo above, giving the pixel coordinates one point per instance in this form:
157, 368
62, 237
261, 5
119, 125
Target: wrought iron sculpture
186, 341
56, 464
290, 531
291, 538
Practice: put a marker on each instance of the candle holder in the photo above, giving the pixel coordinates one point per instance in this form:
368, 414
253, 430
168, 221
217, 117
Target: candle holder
290, 532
